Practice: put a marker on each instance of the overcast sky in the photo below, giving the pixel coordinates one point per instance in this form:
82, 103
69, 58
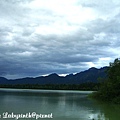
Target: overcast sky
39, 37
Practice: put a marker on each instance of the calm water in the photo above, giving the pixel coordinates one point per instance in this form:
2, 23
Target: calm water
64, 105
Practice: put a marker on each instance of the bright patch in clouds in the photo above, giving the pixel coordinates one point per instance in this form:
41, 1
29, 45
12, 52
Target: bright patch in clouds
70, 15
91, 64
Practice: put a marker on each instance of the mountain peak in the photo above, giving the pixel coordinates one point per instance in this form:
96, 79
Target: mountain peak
92, 68
91, 75
53, 74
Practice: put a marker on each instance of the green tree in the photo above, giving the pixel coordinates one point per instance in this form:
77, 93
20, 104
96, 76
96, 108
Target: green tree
114, 70
110, 88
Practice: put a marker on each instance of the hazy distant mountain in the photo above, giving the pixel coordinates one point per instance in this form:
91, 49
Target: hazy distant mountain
3, 80
90, 75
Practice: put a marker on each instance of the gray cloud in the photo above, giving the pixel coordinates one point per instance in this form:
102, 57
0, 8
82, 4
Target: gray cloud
37, 40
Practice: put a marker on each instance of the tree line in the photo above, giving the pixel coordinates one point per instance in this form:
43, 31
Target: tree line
83, 86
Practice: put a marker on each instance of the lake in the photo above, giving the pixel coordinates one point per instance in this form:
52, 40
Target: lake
54, 105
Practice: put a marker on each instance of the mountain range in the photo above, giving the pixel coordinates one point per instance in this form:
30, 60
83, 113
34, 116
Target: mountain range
90, 75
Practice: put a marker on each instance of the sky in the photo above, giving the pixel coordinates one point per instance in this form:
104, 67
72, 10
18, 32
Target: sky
40, 37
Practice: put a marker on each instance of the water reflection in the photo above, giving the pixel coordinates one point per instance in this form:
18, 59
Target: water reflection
71, 105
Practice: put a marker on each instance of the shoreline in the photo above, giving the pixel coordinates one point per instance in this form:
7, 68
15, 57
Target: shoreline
42, 90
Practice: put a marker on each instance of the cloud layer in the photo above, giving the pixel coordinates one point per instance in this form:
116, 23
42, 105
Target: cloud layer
39, 37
